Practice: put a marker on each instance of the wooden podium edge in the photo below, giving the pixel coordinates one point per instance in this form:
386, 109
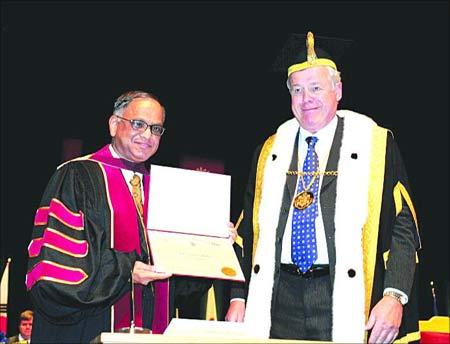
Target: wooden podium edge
142, 338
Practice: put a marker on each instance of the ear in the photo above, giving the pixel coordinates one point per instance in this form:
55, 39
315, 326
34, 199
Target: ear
338, 89
113, 122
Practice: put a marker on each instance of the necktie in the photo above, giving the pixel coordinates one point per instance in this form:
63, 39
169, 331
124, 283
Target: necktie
137, 193
303, 242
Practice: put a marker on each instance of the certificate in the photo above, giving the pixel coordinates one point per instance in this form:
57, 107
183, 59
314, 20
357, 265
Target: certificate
187, 221
195, 255
188, 201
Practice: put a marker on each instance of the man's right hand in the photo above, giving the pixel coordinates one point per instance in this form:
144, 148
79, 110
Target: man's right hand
236, 311
145, 273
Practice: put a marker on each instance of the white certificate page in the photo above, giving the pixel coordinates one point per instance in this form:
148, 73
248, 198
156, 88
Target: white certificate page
187, 201
188, 214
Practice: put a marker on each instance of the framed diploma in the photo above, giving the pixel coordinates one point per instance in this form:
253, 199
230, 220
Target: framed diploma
187, 221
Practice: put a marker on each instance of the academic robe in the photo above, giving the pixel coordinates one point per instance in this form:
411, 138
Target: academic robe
86, 238
369, 220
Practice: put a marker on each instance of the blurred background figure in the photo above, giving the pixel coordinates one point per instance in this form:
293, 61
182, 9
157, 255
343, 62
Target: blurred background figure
4, 287
25, 328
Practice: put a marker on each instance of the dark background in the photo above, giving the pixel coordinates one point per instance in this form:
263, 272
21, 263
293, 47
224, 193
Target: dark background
63, 64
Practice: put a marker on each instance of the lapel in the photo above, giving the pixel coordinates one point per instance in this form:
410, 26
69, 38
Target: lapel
291, 180
288, 193
333, 158
328, 195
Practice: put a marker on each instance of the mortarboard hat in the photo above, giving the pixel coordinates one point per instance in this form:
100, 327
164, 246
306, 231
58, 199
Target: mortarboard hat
305, 51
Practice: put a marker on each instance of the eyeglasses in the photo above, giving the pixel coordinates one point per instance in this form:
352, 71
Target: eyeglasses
141, 126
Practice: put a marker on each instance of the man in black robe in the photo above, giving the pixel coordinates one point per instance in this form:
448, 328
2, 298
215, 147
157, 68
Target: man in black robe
358, 223
89, 239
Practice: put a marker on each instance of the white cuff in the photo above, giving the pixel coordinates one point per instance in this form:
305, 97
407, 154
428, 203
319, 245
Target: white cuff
403, 298
237, 299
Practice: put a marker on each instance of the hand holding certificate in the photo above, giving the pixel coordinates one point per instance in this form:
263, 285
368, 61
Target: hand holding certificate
187, 223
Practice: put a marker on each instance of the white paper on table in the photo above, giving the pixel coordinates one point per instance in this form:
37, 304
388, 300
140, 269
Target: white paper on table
188, 201
193, 327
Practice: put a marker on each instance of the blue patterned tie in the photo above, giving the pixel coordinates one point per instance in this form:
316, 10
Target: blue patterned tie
303, 242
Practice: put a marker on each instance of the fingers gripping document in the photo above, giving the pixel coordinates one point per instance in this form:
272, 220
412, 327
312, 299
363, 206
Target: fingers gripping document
187, 222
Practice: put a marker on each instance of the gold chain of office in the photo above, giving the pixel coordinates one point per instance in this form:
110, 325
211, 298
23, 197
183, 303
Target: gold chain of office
312, 173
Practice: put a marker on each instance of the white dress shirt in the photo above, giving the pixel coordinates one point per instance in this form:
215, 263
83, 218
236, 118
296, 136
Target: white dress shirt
325, 139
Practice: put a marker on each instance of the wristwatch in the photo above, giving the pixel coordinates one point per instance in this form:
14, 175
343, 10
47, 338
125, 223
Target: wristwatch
399, 297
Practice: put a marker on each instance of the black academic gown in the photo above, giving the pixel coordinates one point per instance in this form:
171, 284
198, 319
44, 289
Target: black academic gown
74, 276
398, 236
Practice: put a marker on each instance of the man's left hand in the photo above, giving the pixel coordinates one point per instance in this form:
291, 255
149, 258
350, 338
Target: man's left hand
384, 320
232, 231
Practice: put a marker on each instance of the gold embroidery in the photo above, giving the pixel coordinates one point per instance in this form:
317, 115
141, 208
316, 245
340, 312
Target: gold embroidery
258, 189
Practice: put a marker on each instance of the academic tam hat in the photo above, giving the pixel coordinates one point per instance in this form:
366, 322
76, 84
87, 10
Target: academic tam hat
305, 51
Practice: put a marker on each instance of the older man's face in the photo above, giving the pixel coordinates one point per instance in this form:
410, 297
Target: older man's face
314, 100
131, 144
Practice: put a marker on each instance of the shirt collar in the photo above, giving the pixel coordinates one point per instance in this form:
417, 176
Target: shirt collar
21, 339
130, 165
113, 152
324, 133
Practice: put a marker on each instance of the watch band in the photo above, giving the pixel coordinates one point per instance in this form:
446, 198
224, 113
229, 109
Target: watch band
399, 297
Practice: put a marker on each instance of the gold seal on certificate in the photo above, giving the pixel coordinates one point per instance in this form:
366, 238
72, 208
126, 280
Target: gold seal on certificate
228, 271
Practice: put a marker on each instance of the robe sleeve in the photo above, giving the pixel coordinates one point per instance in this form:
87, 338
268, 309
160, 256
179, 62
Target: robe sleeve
245, 231
405, 240
72, 270
191, 287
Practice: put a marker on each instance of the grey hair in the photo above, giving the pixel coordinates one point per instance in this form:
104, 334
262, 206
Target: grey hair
334, 75
126, 98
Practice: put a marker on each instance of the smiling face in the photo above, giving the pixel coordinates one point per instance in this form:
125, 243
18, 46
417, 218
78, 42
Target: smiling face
134, 145
314, 98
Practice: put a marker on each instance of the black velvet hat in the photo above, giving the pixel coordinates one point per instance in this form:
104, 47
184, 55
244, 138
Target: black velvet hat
305, 51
